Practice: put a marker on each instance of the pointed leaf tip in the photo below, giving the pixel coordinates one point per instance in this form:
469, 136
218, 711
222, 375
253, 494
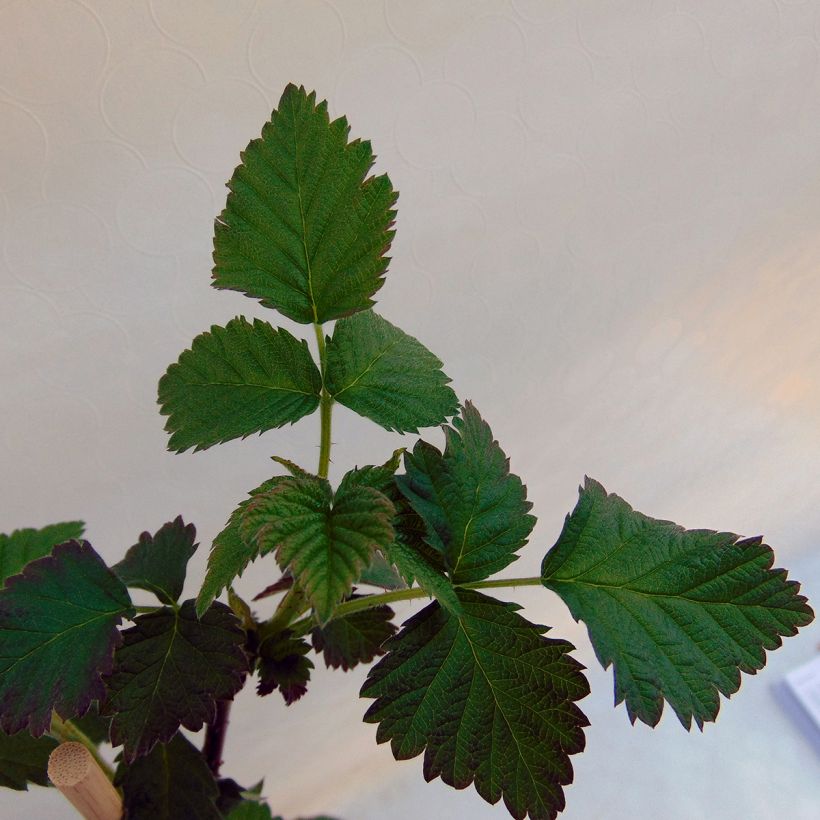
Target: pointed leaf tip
158, 563
312, 264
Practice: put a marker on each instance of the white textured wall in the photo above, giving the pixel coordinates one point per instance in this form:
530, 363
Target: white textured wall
609, 230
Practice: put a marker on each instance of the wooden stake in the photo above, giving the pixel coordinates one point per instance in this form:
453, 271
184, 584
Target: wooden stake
73, 770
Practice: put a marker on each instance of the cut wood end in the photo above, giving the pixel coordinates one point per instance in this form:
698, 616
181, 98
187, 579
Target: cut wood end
69, 764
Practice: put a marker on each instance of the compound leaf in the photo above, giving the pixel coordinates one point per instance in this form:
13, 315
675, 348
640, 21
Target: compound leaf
283, 666
158, 562
171, 782
230, 553
325, 541
303, 230
487, 698
169, 672
679, 613
237, 380
380, 372
24, 760
475, 510
355, 638
22, 546
58, 632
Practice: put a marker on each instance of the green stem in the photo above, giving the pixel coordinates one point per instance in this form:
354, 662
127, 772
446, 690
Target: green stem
65, 731
291, 606
358, 604
325, 407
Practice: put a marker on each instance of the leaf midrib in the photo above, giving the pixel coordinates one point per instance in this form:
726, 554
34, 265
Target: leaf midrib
302, 214
367, 369
500, 710
59, 635
652, 595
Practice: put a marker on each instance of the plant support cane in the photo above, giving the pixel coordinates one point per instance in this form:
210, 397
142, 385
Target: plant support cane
482, 693
74, 771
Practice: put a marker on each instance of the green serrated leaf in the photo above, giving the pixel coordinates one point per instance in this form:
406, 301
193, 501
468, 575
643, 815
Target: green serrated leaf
157, 563
24, 760
325, 541
679, 613
487, 698
380, 372
172, 782
303, 231
352, 639
292, 467
58, 627
170, 671
251, 810
22, 546
380, 573
380, 477
475, 510
230, 553
414, 559
237, 380
415, 566
283, 666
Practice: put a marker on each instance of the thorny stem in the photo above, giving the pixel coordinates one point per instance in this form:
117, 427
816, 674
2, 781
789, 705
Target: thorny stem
215, 737
65, 731
325, 407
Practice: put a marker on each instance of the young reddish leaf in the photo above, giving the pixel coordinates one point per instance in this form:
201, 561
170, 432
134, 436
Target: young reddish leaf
170, 671
355, 638
172, 782
487, 698
283, 666
58, 632
23, 546
476, 511
303, 231
679, 613
285, 582
24, 760
158, 562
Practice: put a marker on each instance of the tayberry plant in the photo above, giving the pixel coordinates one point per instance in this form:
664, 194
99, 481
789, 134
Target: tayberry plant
468, 682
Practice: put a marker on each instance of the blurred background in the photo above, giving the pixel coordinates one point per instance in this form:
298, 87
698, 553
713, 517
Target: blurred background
608, 230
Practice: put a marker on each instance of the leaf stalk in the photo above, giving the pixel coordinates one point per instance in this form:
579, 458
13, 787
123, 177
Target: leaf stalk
304, 625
